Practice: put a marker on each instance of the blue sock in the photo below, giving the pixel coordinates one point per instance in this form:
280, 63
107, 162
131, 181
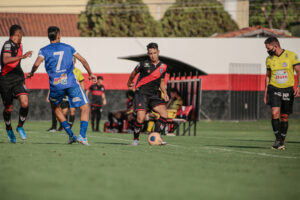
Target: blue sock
83, 128
67, 128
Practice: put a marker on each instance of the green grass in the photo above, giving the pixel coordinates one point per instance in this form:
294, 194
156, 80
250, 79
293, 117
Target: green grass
226, 160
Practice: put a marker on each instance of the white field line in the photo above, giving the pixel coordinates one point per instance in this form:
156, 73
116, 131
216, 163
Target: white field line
213, 148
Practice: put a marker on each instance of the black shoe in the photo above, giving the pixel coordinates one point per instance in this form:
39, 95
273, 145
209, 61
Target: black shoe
60, 128
278, 145
52, 130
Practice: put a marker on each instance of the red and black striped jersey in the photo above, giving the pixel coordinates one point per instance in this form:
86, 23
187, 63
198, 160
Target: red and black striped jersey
150, 76
12, 72
97, 92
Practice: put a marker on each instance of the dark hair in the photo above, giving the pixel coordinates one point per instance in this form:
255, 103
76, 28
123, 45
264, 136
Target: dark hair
99, 78
271, 40
13, 29
174, 90
52, 32
130, 93
152, 45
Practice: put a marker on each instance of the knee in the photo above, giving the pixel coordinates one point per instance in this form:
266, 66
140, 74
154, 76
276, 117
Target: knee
140, 119
284, 117
8, 109
24, 104
275, 114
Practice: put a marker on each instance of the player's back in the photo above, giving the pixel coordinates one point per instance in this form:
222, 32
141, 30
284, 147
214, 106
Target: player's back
59, 65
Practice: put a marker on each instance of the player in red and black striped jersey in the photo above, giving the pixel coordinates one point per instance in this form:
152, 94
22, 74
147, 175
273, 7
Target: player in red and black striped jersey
12, 84
98, 100
151, 79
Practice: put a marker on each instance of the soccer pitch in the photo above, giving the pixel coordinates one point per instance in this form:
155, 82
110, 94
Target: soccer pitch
226, 160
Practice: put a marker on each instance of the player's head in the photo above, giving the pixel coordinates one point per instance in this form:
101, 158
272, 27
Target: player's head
15, 33
272, 45
174, 92
153, 51
99, 80
130, 94
53, 33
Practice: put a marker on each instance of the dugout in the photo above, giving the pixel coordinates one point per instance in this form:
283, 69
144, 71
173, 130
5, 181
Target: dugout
186, 78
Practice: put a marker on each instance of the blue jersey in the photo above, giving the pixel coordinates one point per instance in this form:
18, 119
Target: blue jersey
59, 65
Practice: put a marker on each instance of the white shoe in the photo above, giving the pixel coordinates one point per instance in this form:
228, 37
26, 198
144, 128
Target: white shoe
82, 140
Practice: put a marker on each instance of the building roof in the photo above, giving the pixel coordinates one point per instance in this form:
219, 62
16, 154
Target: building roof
255, 31
37, 24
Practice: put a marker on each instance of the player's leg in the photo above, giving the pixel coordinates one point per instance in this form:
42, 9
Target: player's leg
54, 121
111, 120
140, 102
77, 98
7, 99
286, 110
72, 116
23, 112
64, 108
161, 122
93, 116
56, 99
98, 118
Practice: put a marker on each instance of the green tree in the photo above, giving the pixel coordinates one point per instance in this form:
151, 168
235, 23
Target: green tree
202, 18
118, 18
278, 14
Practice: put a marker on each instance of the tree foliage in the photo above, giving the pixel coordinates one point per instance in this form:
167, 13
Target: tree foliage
278, 14
117, 18
131, 18
202, 18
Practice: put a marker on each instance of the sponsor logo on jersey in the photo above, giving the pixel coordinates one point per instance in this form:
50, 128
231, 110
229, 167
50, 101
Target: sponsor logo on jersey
61, 80
7, 47
146, 65
76, 99
281, 76
161, 70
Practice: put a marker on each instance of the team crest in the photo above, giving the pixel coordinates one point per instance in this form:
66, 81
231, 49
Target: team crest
161, 70
148, 71
284, 64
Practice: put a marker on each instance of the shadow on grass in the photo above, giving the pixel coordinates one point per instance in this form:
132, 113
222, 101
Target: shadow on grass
238, 146
112, 143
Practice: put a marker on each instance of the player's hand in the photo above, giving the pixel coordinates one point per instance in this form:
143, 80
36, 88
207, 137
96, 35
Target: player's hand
93, 78
27, 54
29, 75
266, 98
130, 85
166, 97
297, 92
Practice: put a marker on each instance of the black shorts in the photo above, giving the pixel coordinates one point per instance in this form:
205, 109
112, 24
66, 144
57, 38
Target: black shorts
96, 107
281, 97
146, 102
64, 104
11, 91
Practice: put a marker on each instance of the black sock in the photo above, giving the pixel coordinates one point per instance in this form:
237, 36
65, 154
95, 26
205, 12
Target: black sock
6, 117
276, 127
111, 120
22, 116
283, 129
137, 130
71, 120
160, 125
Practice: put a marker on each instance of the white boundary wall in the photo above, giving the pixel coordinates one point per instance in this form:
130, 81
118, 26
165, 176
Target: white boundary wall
212, 55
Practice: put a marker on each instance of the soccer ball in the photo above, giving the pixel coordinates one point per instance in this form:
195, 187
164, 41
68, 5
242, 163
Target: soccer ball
154, 139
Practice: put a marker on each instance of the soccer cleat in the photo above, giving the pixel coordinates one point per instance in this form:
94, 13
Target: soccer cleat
163, 143
135, 143
51, 130
11, 136
72, 139
60, 128
21, 132
82, 140
278, 145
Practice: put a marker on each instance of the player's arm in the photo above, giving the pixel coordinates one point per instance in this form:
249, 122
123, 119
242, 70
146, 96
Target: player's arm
130, 80
7, 58
268, 76
163, 89
35, 66
104, 99
297, 91
86, 66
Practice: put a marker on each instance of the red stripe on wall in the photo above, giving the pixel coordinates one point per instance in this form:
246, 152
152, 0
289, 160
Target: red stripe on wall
220, 82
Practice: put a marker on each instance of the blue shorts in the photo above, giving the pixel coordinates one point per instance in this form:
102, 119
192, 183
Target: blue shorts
76, 95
